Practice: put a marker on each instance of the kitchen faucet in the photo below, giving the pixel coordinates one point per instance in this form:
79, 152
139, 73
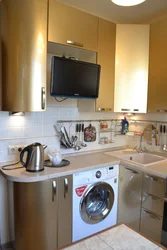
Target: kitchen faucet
139, 150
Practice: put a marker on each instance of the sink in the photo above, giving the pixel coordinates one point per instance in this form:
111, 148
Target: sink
143, 159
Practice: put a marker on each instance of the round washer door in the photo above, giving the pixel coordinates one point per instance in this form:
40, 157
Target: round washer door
97, 203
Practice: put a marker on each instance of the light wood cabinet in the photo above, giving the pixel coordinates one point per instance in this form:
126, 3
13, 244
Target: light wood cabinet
129, 198
106, 58
152, 206
131, 70
43, 214
65, 211
157, 88
72, 27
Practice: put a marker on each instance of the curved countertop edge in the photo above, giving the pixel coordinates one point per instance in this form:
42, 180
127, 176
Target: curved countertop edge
81, 163
78, 164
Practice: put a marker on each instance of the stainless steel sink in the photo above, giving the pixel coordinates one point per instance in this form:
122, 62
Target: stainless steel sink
143, 159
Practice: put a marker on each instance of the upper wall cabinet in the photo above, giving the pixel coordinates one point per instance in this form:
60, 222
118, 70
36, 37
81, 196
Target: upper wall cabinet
24, 48
106, 58
157, 98
131, 73
72, 27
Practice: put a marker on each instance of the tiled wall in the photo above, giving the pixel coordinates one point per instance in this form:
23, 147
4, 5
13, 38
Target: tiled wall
40, 127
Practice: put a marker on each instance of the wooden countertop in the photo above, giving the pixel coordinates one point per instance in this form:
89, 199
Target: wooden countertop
120, 237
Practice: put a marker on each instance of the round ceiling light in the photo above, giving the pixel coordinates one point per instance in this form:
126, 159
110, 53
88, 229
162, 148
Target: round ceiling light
127, 2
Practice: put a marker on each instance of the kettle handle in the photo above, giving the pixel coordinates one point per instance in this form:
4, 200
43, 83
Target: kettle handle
26, 149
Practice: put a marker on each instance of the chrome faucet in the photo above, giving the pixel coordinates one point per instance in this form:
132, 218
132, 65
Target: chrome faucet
139, 150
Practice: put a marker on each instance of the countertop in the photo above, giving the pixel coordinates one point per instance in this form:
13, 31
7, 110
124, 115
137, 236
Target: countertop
118, 238
80, 163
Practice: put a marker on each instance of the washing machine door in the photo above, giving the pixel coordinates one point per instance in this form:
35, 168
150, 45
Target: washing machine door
97, 203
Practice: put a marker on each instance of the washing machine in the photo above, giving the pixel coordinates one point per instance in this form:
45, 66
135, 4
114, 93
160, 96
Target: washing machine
95, 199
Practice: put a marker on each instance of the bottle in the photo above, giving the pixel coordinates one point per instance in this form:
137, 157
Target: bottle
125, 126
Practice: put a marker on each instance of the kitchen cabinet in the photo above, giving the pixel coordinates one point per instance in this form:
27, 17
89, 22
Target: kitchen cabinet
106, 58
131, 70
72, 27
152, 206
157, 87
151, 225
43, 214
23, 30
129, 198
65, 211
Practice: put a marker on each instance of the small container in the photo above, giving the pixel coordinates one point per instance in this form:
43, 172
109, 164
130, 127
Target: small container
125, 126
103, 125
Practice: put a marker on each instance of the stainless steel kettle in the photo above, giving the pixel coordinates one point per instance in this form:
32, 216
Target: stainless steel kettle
35, 157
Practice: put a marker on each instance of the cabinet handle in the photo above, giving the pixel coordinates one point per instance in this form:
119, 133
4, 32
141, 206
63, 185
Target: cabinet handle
153, 196
162, 110
65, 187
104, 109
165, 199
125, 109
152, 215
151, 178
136, 110
53, 191
74, 43
43, 99
131, 170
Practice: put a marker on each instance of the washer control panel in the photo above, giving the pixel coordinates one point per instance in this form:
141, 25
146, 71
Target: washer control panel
98, 174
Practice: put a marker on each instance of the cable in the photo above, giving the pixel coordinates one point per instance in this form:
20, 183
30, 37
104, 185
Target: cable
63, 99
5, 166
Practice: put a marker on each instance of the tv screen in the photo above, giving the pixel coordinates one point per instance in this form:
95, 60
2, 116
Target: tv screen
73, 78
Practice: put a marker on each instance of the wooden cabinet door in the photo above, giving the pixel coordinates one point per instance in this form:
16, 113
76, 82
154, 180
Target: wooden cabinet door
65, 211
157, 88
131, 71
69, 24
35, 215
151, 225
106, 58
129, 198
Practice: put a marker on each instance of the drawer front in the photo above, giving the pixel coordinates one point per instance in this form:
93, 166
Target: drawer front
153, 185
153, 203
151, 225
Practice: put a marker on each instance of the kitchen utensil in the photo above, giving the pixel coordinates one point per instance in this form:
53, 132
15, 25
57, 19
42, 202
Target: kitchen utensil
79, 130
76, 146
160, 135
35, 157
165, 136
55, 157
164, 139
83, 144
66, 137
90, 134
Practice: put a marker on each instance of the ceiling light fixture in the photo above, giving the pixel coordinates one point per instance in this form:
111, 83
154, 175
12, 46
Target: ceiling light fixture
127, 2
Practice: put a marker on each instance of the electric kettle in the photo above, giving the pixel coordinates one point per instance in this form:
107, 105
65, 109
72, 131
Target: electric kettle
35, 157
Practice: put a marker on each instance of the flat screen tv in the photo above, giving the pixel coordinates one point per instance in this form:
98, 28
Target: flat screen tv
74, 79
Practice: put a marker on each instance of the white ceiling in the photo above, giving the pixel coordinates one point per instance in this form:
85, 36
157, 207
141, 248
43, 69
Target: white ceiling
141, 13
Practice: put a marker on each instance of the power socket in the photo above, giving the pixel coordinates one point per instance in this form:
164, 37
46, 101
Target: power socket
14, 149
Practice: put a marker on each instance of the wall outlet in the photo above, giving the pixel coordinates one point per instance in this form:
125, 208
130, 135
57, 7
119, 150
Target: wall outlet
14, 149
